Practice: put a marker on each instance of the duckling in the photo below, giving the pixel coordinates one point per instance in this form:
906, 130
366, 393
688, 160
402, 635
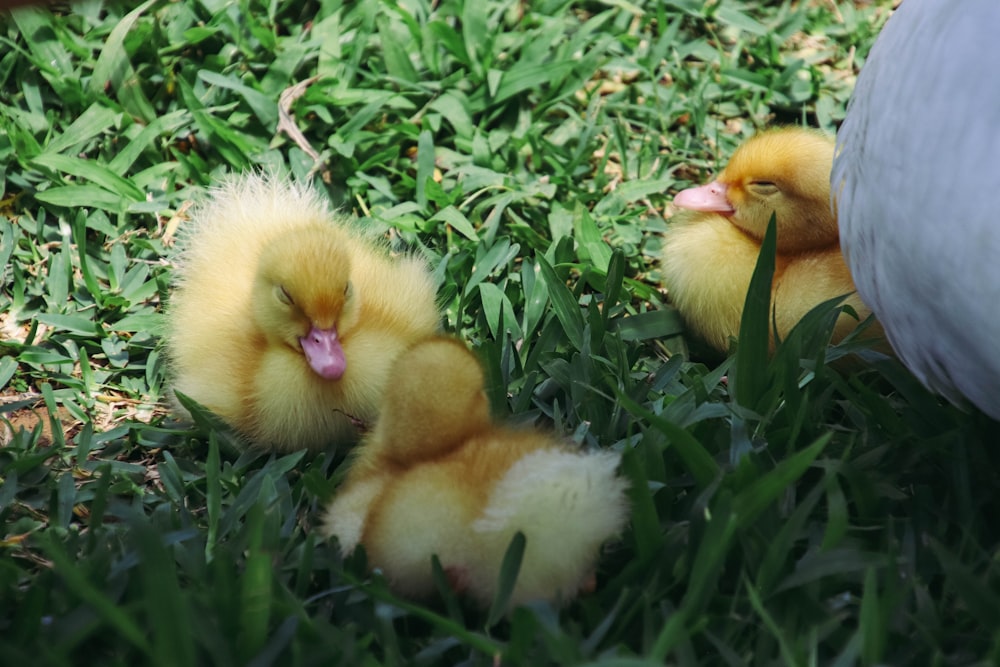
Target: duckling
284, 320
438, 476
711, 247
915, 179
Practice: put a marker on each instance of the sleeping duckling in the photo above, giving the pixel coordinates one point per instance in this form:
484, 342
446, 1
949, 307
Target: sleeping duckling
437, 476
284, 320
711, 248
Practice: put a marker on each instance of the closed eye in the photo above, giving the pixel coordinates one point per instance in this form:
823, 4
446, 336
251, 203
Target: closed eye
283, 296
763, 188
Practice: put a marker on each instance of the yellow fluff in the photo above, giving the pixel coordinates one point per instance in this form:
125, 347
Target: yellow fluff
437, 476
712, 244
284, 319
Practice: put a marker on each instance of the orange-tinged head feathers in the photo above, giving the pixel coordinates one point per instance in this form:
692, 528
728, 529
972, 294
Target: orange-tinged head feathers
784, 172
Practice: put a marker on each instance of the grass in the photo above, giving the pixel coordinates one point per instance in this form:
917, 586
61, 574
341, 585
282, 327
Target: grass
783, 512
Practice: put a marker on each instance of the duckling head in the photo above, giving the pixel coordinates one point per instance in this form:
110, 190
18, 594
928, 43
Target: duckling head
303, 297
434, 403
785, 172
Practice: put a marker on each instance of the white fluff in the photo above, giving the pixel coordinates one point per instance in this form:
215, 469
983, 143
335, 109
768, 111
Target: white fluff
346, 515
918, 177
567, 503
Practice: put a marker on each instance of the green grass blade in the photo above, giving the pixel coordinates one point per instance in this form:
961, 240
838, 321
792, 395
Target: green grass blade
613, 283
750, 373
72, 575
787, 655
645, 522
507, 578
565, 306
696, 458
425, 165
763, 491
92, 122
213, 496
167, 608
256, 595
872, 622
114, 68
977, 596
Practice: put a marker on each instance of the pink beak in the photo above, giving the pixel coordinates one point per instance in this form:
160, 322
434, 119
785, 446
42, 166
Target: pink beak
710, 197
324, 353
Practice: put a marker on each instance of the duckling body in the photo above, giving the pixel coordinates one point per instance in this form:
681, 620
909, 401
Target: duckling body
437, 476
712, 245
284, 320
916, 180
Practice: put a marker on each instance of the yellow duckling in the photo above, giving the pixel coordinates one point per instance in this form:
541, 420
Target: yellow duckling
284, 320
711, 247
437, 476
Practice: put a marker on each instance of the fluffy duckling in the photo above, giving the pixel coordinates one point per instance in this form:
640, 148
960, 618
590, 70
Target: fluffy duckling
437, 476
284, 320
711, 247
916, 180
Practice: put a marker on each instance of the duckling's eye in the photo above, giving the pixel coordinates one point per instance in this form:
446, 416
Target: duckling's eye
763, 187
283, 296
348, 290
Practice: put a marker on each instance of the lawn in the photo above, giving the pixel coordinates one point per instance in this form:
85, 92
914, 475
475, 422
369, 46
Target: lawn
783, 511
